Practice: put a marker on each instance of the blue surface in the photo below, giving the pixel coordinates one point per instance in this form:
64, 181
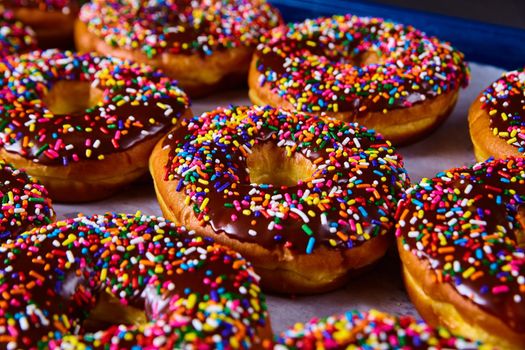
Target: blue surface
481, 42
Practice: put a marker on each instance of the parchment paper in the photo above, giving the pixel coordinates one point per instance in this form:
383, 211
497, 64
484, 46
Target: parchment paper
382, 286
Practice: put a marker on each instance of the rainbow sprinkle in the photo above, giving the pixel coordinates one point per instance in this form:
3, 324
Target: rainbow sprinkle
349, 199
25, 202
14, 36
194, 292
464, 224
179, 27
368, 330
316, 65
138, 103
504, 101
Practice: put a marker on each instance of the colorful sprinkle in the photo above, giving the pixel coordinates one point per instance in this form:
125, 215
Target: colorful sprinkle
368, 330
195, 293
25, 202
14, 36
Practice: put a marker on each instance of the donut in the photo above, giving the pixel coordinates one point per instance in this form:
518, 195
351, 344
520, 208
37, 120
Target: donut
368, 330
14, 36
52, 20
25, 202
460, 238
497, 118
191, 292
308, 200
217, 37
386, 76
84, 125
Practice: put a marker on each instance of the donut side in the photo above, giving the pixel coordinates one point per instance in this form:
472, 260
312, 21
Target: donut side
441, 305
485, 143
91, 180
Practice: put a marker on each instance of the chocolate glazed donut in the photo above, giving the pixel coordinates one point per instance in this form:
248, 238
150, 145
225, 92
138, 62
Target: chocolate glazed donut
84, 125
15, 37
205, 45
369, 330
391, 78
497, 118
52, 20
308, 200
168, 288
460, 238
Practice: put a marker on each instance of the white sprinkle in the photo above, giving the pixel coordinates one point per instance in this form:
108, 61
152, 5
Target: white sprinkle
197, 324
301, 214
324, 221
136, 240
413, 234
24, 324
306, 194
150, 256
70, 256
190, 250
478, 222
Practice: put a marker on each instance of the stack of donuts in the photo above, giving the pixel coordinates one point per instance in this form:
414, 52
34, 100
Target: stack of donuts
299, 193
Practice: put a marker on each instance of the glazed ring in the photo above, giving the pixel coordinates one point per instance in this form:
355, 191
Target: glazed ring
386, 76
218, 37
368, 330
308, 200
497, 118
25, 203
168, 288
14, 36
84, 125
52, 20
460, 238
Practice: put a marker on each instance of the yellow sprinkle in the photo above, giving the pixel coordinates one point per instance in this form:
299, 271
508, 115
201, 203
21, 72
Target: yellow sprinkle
468, 272
204, 204
70, 239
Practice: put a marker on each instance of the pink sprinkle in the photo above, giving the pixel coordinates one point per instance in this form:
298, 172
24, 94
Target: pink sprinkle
500, 289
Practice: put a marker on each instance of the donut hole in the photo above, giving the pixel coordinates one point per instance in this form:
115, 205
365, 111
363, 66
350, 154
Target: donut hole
520, 233
72, 97
269, 164
110, 311
363, 58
